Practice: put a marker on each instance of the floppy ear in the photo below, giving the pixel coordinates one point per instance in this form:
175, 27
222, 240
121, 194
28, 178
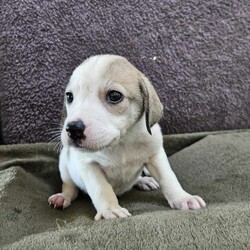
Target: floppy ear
151, 103
64, 113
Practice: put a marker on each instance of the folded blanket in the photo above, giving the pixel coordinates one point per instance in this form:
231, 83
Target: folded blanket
214, 166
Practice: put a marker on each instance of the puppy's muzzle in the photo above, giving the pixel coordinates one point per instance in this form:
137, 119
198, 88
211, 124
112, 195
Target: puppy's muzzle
75, 130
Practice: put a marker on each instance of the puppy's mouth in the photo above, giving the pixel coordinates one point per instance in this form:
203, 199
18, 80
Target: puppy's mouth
91, 146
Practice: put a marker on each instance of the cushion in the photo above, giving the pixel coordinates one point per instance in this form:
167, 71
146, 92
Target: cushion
195, 53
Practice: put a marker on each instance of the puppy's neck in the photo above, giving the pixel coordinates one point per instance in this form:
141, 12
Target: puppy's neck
136, 133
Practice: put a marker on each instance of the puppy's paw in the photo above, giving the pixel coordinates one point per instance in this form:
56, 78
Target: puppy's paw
59, 200
187, 202
147, 183
113, 213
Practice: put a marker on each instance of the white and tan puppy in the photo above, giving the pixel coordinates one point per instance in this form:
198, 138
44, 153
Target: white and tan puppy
110, 134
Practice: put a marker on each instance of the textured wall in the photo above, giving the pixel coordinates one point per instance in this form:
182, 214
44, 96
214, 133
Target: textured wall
197, 54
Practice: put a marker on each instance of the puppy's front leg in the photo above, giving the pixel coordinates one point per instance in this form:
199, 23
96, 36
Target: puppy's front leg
160, 169
63, 199
102, 194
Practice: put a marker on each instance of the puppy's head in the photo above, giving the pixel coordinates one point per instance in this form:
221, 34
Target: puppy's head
106, 96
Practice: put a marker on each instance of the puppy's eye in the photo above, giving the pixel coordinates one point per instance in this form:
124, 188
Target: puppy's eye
70, 97
114, 97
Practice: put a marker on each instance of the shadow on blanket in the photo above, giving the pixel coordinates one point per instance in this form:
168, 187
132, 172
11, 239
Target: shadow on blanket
215, 166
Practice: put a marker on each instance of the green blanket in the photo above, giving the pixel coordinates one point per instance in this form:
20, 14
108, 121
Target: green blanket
215, 166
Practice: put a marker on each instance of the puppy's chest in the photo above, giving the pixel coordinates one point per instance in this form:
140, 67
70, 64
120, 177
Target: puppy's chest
124, 157
122, 168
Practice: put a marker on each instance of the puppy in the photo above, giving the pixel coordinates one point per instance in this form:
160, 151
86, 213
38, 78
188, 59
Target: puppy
110, 134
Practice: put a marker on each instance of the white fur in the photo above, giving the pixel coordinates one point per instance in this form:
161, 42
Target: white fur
111, 158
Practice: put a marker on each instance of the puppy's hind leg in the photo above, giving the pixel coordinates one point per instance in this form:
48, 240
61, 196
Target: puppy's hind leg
64, 199
146, 183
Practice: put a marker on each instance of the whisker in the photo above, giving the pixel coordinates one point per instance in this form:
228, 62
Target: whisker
54, 138
51, 131
56, 124
56, 146
121, 140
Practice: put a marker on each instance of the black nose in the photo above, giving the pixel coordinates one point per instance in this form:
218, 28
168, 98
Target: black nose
75, 130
